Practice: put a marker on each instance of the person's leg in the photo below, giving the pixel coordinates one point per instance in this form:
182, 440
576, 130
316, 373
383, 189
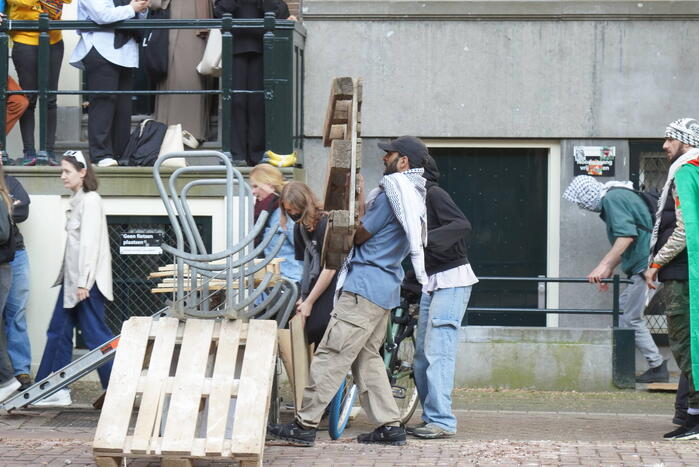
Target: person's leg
16, 105
239, 110
349, 329
632, 302
25, 59
446, 312
122, 118
19, 348
256, 111
94, 330
419, 360
6, 372
59, 339
369, 371
101, 75
681, 401
55, 61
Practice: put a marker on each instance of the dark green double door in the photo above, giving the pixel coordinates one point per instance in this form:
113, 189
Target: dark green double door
503, 192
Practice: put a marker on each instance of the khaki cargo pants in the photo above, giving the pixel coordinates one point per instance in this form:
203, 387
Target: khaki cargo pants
355, 333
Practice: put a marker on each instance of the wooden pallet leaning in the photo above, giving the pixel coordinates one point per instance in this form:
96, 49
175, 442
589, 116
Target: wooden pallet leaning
201, 392
342, 129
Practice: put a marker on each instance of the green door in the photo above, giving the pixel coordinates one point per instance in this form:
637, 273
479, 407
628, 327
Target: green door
502, 191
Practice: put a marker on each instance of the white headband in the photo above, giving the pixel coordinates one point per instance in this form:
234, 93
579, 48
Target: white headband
78, 155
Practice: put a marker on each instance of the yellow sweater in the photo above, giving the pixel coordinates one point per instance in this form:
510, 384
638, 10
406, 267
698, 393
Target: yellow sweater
29, 10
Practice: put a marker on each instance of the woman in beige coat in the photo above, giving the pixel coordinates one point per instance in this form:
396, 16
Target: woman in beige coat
186, 47
85, 277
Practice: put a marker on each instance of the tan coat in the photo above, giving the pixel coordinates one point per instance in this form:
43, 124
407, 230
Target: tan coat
185, 51
87, 258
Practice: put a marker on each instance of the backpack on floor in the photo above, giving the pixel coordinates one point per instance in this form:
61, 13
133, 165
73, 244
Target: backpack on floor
144, 144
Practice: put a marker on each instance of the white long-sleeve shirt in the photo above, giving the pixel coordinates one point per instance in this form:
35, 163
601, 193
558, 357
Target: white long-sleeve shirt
104, 12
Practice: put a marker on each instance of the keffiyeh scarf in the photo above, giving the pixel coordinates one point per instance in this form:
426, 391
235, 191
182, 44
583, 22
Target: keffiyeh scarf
587, 192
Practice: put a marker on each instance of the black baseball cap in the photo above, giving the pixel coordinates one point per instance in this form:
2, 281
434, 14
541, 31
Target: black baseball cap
409, 146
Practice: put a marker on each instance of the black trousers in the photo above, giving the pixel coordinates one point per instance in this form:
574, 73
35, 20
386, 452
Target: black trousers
26, 60
109, 115
248, 122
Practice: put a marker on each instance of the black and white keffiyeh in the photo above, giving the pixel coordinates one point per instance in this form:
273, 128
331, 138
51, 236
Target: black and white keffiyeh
406, 194
685, 130
587, 192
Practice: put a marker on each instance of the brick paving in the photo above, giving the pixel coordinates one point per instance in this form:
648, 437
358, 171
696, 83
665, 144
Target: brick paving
486, 437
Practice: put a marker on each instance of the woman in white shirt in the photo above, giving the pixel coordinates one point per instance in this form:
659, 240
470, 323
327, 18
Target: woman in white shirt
85, 276
108, 58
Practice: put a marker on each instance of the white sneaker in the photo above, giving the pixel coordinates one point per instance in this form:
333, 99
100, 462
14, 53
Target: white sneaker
107, 162
9, 389
60, 398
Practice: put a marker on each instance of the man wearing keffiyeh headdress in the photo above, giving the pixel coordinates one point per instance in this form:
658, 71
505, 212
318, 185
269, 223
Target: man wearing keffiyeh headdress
393, 226
629, 226
675, 260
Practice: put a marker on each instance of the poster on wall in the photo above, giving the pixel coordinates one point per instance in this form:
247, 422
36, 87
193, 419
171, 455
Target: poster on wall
141, 243
597, 161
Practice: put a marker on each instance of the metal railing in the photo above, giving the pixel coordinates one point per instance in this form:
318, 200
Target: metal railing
282, 61
623, 344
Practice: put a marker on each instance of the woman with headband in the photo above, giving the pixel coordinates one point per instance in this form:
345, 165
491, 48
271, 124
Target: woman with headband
85, 277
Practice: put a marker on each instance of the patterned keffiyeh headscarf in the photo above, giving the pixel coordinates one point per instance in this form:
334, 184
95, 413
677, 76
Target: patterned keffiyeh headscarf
685, 130
586, 192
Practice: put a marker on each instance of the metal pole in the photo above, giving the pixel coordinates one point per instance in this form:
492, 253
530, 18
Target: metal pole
270, 73
226, 83
615, 301
4, 56
43, 81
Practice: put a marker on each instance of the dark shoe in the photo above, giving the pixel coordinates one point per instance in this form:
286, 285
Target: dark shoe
411, 429
433, 431
691, 423
29, 159
658, 374
25, 380
389, 435
690, 435
680, 417
293, 433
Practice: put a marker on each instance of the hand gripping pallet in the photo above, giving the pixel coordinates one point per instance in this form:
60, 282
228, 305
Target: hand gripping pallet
189, 386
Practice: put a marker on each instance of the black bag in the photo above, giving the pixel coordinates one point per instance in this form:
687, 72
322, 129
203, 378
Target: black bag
154, 50
122, 36
144, 144
650, 198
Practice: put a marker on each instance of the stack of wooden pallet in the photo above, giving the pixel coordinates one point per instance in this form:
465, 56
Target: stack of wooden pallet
167, 275
341, 132
186, 390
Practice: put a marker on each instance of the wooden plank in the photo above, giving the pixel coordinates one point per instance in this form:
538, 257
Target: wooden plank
222, 386
114, 420
668, 387
186, 394
157, 375
338, 239
299, 355
256, 379
340, 89
284, 338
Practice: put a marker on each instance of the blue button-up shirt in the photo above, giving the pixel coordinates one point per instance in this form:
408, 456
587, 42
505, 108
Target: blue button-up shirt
375, 271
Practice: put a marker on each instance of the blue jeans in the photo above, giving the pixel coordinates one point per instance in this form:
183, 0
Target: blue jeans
441, 313
18, 347
89, 315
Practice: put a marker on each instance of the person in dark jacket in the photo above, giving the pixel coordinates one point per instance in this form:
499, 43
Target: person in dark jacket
442, 307
18, 347
248, 122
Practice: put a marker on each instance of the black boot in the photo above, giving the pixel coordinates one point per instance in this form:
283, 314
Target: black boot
391, 435
293, 433
657, 374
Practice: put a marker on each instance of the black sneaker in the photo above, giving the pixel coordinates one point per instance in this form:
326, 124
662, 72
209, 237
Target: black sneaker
293, 433
690, 435
390, 435
658, 374
691, 423
25, 380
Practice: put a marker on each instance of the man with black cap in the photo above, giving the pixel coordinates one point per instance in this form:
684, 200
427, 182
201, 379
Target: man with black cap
672, 265
393, 226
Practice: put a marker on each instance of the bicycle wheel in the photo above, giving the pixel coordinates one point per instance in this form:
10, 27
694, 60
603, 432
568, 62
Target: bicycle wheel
403, 381
341, 407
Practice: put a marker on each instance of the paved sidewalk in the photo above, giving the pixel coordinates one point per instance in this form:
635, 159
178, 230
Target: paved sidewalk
611, 430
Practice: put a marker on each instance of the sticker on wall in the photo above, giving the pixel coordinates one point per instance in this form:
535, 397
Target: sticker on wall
141, 243
597, 161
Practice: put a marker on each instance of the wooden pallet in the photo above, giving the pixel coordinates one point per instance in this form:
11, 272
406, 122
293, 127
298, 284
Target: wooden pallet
186, 390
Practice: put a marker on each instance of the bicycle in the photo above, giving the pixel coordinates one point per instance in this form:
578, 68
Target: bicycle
398, 352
